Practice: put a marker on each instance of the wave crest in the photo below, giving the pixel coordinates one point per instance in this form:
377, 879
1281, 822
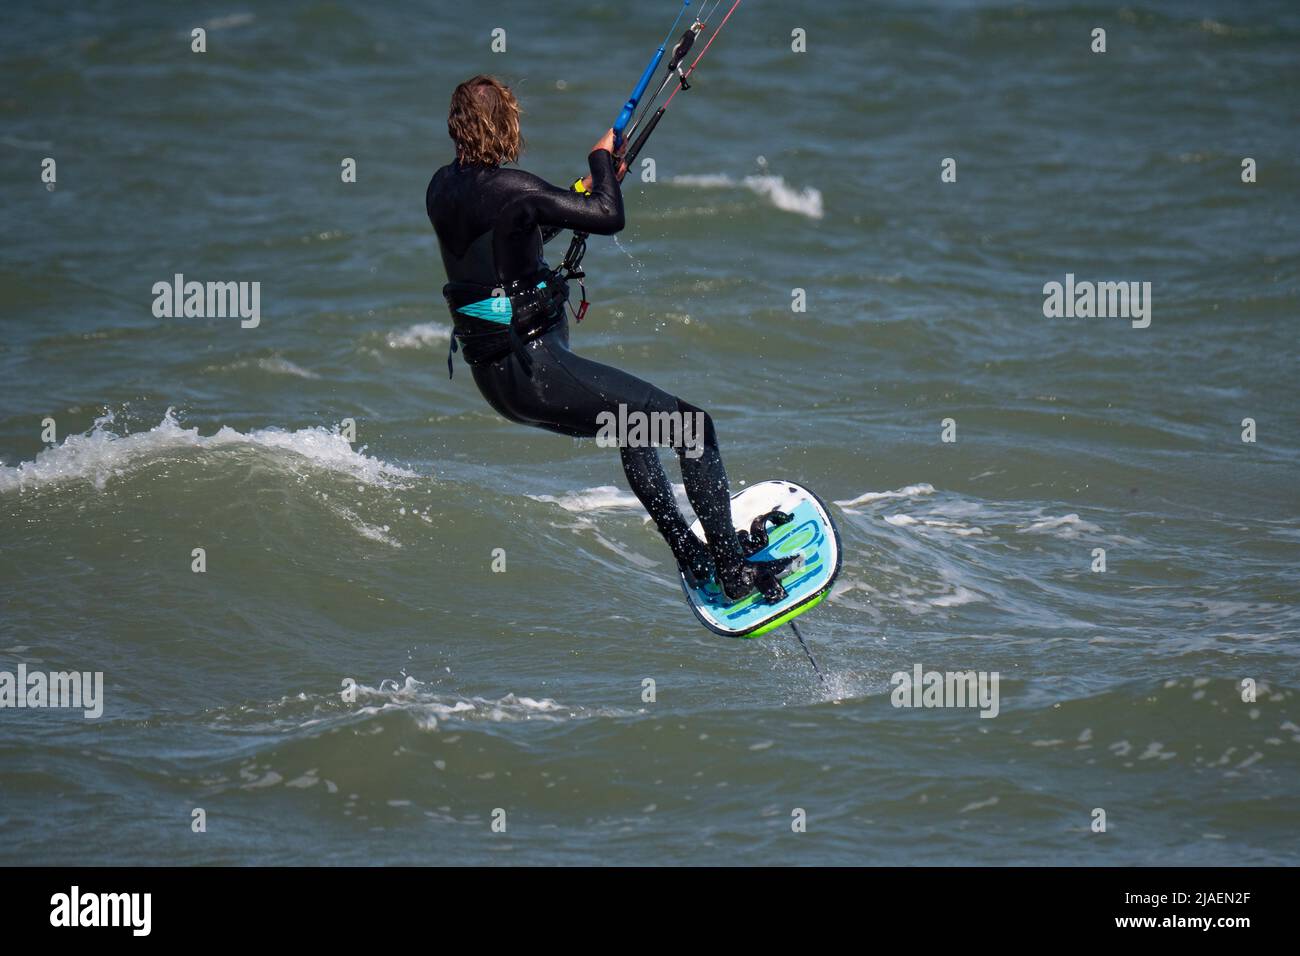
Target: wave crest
100, 453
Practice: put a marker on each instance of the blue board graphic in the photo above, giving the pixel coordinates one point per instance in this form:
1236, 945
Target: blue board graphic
810, 537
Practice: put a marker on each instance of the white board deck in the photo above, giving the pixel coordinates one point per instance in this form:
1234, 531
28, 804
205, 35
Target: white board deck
811, 536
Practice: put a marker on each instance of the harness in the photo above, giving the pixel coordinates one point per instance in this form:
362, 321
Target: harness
491, 322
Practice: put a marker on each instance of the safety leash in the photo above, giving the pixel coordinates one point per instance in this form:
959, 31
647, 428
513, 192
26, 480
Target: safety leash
811, 660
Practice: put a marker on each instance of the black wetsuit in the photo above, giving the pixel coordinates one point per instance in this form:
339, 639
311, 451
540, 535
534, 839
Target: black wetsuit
491, 224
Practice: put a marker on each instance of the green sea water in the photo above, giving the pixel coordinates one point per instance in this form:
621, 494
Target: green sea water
520, 695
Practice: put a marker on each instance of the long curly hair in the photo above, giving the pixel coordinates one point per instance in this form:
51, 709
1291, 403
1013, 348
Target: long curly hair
484, 122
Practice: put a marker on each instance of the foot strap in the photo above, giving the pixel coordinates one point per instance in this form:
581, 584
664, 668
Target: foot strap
755, 539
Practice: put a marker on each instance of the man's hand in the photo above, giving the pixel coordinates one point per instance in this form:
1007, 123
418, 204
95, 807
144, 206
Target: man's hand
606, 143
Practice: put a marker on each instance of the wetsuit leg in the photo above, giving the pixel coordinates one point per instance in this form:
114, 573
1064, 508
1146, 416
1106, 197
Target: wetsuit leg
566, 392
707, 487
710, 493
646, 476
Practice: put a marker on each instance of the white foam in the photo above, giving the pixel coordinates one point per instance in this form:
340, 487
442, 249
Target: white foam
1066, 526
957, 598
279, 366
101, 454
910, 491
428, 707
709, 181
979, 805
232, 20
941, 524
274, 365
624, 552
419, 336
373, 532
600, 498
804, 202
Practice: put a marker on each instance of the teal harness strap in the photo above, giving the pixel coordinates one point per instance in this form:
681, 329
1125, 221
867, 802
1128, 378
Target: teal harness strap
526, 309
496, 308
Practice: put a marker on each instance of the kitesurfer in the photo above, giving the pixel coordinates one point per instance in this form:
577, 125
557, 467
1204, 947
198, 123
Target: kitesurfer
509, 312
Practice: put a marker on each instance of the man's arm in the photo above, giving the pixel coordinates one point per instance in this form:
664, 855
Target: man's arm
598, 210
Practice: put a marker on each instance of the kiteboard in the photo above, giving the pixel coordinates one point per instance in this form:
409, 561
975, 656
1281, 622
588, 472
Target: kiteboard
809, 537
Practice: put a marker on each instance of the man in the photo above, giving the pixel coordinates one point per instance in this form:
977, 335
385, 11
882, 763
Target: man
508, 308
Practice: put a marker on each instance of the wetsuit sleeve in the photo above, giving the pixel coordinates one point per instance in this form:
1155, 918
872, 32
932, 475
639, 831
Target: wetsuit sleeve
599, 211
